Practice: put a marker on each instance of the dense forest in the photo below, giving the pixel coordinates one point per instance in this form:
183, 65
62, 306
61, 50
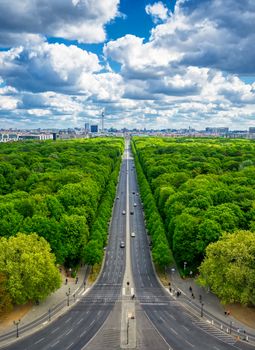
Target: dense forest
58, 195
205, 193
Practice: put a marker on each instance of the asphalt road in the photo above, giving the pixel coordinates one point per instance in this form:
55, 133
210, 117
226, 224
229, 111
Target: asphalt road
179, 328
163, 322
74, 329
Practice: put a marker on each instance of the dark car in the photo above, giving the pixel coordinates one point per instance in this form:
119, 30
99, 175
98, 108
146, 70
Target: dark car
131, 213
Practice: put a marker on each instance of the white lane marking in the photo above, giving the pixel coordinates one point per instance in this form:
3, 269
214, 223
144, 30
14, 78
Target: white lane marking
52, 345
70, 330
69, 346
192, 345
80, 321
99, 312
92, 323
69, 319
38, 341
86, 291
83, 333
54, 330
187, 329
172, 317
174, 331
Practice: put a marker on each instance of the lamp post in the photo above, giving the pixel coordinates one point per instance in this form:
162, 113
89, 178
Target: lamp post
68, 295
202, 310
16, 323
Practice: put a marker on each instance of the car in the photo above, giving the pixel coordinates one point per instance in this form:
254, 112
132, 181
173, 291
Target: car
135, 204
123, 212
131, 213
118, 197
132, 234
122, 244
133, 192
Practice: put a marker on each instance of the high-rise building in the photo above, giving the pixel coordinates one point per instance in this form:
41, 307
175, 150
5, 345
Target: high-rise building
86, 126
252, 130
94, 128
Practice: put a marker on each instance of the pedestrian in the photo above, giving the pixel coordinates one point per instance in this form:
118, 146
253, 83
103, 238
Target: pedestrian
66, 280
190, 289
170, 289
200, 298
193, 296
76, 280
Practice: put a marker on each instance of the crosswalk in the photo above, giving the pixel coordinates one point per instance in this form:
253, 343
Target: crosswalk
209, 328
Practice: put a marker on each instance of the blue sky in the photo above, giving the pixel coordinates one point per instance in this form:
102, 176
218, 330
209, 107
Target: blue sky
154, 64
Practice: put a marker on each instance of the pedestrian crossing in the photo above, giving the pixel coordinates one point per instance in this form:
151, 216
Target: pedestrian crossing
209, 328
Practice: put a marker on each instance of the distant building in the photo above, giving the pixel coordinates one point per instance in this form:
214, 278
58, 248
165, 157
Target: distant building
94, 128
214, 130
35, 137
86, 126
252, 130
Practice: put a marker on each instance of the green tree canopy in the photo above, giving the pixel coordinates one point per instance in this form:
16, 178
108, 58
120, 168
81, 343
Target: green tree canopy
29, 267
229, 267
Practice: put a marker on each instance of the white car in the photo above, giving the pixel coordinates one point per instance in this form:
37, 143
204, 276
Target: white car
132, 234
123, 212
135, 204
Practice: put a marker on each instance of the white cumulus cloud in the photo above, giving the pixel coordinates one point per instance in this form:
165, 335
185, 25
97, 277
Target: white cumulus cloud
158, 11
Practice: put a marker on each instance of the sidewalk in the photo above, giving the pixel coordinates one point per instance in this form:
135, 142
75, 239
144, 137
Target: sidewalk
207, 304
56, 304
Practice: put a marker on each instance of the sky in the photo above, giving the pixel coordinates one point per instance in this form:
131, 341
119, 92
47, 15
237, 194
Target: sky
146, 64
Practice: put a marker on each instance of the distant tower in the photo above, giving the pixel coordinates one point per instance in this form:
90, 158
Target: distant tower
103, 121
86, 127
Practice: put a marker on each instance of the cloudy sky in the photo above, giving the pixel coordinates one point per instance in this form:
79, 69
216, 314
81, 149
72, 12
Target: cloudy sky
163, 64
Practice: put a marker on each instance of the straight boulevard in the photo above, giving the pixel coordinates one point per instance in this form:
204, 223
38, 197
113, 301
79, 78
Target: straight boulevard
179, 328
109, 316
74, 329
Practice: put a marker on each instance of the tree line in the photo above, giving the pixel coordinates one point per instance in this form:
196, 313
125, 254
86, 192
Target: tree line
59, 194
205, 193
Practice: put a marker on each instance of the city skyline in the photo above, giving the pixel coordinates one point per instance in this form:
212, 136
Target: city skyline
147, 64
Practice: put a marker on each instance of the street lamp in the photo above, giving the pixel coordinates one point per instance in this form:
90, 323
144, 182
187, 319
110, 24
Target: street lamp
184, 265
68, 295
202, 310
49, 315
230, 327
16, 323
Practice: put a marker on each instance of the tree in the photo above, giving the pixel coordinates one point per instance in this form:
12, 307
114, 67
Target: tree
184, 239
228, 268
5, 298
93, 253
29, 267
161, 254
75, 234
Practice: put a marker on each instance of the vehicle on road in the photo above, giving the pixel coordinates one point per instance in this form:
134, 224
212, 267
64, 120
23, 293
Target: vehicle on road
123, 212
131, 213
122, 244
135, 204
132, 234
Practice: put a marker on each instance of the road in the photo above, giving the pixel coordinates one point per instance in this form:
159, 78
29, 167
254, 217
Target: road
180, 328
98, 320
74, 329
